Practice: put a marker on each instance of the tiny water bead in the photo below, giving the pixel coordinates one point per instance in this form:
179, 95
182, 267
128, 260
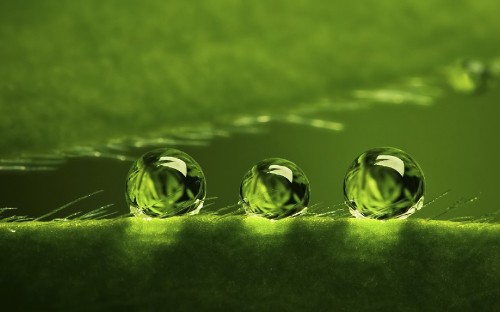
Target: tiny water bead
165, 182
470, 76
274, 188
384, 183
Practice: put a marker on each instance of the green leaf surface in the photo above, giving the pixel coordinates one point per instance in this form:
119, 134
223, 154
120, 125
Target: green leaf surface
250, 263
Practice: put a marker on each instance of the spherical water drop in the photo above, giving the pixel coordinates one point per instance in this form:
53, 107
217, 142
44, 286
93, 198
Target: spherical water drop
274, 188
165, 182
384, 183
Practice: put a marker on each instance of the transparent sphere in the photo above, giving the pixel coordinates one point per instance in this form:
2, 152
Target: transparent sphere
165, 182
274, 188
384, 183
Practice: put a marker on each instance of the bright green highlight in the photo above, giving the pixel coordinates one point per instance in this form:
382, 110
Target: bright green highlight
384, 183
258, 226
274, 188
165, 182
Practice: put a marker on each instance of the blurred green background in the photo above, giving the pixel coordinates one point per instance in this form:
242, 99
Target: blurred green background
88, 73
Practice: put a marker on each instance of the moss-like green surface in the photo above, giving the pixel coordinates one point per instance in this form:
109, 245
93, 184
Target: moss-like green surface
249, 263
84, 72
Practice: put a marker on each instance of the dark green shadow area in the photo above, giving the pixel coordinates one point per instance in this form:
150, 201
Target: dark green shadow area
246, 263
61, 266
448, 268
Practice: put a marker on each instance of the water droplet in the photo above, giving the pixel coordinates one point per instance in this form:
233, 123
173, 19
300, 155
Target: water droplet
274, 188
469, 76
165, 182
384, 183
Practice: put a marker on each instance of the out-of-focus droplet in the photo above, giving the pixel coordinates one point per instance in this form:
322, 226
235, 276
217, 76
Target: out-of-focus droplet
469, 76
